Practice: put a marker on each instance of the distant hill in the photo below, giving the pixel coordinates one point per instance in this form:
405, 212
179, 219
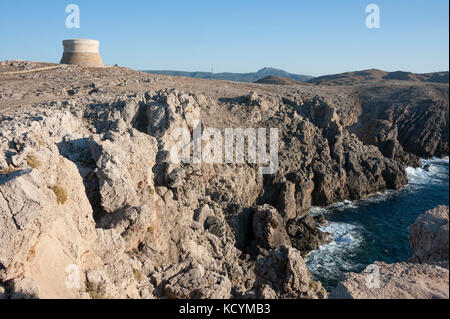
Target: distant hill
238, 77
279, 80
374, 75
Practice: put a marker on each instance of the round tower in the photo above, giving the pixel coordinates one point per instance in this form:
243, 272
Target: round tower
83, 52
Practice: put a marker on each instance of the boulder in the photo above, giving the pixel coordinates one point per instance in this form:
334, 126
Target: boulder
190, 280
305, 234
394, 281
429, 236
285, 271
268, 227
124, 168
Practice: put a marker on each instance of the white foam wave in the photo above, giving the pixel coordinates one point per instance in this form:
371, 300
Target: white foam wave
435, 160
329, 258
437, 173
314, 211
346, 204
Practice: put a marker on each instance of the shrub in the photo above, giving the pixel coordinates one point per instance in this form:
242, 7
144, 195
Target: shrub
138, 275
8, 170
313, 285
33, 161
39, 141
98, 292
61, 195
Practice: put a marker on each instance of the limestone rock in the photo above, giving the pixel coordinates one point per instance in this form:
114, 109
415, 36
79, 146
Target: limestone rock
286, 201
285, 271
124, 168
202, 214
429, 236
305, 234
132, 223
396, 281
49, 225
189, 280
268, 227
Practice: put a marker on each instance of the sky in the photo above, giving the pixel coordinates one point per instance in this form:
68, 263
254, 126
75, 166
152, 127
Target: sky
314, 37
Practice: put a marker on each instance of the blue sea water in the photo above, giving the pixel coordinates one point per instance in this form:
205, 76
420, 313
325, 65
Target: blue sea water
376, 228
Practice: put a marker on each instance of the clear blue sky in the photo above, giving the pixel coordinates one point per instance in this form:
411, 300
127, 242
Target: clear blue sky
313, 37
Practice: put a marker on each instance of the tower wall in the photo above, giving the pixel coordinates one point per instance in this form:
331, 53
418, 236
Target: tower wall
83, 52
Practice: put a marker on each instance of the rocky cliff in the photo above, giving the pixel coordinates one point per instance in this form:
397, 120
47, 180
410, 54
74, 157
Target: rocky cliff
93, 206
406, 122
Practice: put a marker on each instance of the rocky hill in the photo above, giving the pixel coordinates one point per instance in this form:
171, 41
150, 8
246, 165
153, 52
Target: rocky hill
87, 181
374, 75
278, 80
238, 77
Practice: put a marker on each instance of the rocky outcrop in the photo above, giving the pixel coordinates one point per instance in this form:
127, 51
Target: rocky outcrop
395, 281
305, 234
284, 271
190, 280
405, 122
50, 245
124, 180
385, 136
268, 228
429, 236
426, 276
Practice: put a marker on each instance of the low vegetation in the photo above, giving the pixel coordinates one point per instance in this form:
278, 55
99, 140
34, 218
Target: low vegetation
61, 194
96, 292
8, 170
33, 161
138, 275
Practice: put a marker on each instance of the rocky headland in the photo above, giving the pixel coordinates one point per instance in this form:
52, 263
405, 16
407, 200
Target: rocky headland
87, 182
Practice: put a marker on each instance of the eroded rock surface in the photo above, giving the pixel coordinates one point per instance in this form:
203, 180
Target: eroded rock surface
88, 186
429, 236
396, 281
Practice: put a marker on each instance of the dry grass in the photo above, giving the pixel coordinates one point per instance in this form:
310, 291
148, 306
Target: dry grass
31, 253
33, 161
98, 292
39, 141
61, 195
8, 170
138, 275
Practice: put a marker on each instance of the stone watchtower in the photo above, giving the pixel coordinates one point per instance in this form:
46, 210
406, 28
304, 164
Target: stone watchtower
82, 52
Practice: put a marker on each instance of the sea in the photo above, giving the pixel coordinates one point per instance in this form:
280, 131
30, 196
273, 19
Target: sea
376, 228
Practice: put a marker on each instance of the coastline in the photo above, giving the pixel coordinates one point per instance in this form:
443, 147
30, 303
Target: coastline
350, 233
